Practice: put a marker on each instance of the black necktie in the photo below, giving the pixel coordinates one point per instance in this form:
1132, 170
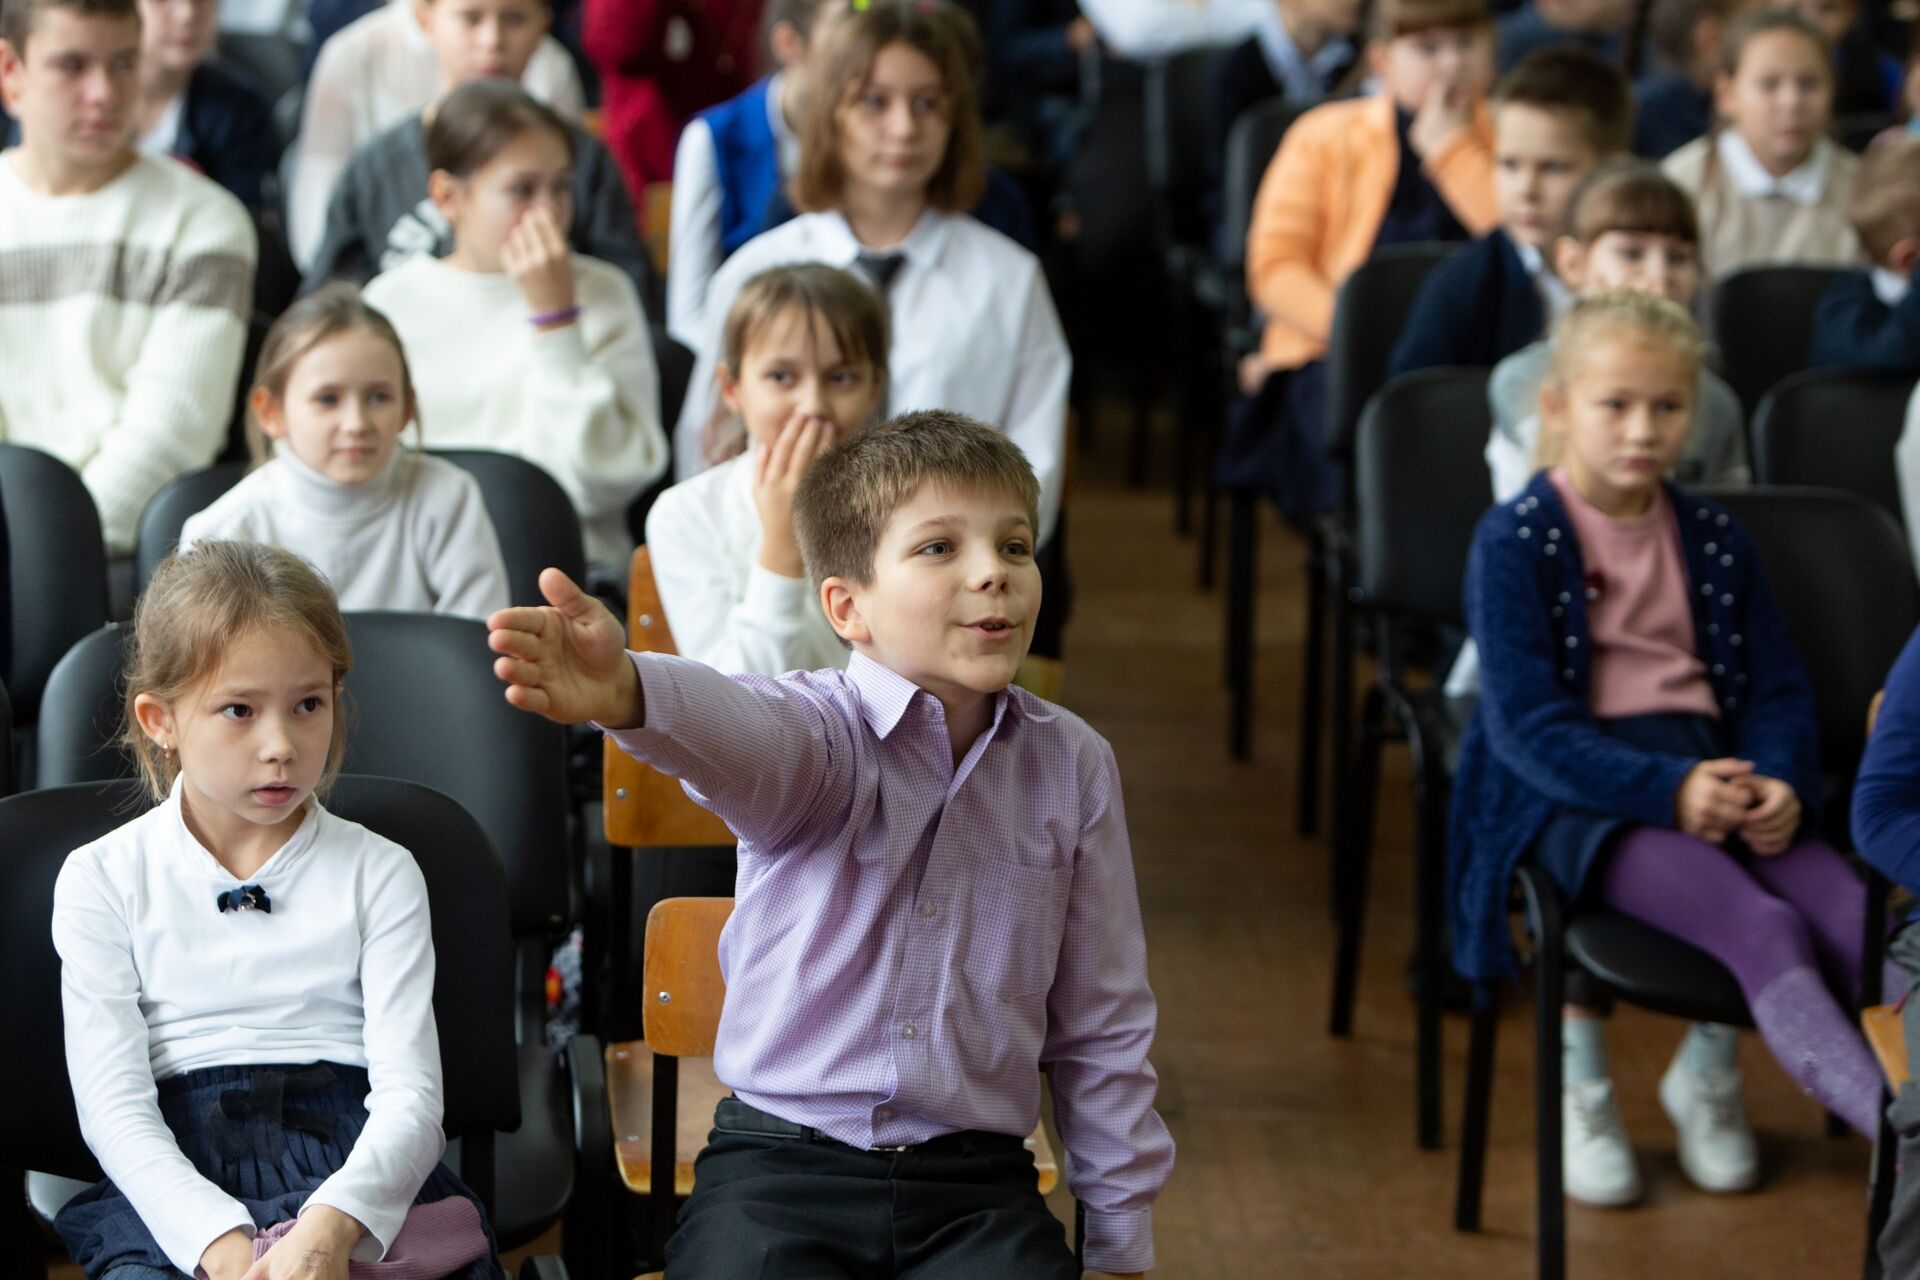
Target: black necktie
881, 268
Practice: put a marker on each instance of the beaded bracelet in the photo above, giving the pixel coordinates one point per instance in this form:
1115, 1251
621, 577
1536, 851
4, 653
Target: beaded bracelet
554, 317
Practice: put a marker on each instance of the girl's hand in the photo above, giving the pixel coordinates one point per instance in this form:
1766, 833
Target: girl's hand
1447, 109
566, 660
228, 1258
540, 264
1772, 821
1713, 799
316, 1248
776, 475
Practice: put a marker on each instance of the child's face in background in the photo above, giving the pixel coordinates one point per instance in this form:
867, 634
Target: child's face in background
1833, 17
1645, 262
893, 130
1412, 67
252, 740
533, 170
1539, 157
794, 369
954, 594
175, 35
1779, 98
73, 87
343, 409
475, 39
1623, 413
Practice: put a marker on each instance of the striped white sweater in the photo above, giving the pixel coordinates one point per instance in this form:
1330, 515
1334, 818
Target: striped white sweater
122, 328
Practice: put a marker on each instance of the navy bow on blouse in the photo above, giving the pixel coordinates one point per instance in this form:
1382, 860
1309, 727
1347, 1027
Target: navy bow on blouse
248, 897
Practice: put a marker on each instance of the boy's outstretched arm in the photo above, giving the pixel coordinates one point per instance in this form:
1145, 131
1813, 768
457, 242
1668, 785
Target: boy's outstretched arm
567, 660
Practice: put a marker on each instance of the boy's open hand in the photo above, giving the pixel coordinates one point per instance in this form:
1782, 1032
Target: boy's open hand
1773, 819
566, 660
1714, 799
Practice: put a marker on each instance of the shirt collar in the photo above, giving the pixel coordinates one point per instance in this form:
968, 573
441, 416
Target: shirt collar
885, 695
1890, 286
288, 854
922, 247
1299, 75
1554, 294
1805, 185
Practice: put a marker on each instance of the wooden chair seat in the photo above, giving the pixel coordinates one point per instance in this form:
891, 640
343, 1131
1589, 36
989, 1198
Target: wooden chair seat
1887, 1037
630, 1097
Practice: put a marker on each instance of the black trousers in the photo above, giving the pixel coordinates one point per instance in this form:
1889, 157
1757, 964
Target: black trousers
773, 1199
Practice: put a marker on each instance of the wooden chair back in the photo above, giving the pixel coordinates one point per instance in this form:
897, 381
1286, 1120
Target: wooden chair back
645, 809
683, 989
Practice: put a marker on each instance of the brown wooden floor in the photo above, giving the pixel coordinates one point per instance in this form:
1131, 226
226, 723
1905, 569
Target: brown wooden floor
1296, 1150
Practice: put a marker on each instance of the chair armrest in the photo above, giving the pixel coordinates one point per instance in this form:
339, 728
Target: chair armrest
544, 1267
592, 1121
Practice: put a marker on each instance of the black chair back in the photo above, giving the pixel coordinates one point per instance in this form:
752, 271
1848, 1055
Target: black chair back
1252, 143
674, 363
1367, 316
1762, 321
424, 706
532, 514
473, 982
58, 567
6, 743
1841, 571
169, 510
1421, 485
81, 714
1834, 429
1179, 132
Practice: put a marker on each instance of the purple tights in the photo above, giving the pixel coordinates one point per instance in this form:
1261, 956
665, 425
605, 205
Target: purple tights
1789, 929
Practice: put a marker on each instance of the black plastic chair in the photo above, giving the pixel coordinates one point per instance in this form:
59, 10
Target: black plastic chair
168, 511
1835, 429
6, 743
1828, 555
1421, 484
58, 567
1762, 322
675, 365
532, 514
472, 996
82, 711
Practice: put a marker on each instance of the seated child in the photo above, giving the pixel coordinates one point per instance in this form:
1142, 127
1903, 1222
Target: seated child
1300, 51
380, 214
1628, 227
1865, 80
1871, 319
1413, 163
891, 159
899, 821
516, 343
1557, 116
390, 528
1598, 25
1674, 105
378, 70
193, 1009
1770, 185
198, 109
132, 369
805, 365
1653, 747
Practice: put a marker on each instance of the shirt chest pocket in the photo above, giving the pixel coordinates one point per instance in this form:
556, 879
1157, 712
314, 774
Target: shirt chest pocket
1019, 917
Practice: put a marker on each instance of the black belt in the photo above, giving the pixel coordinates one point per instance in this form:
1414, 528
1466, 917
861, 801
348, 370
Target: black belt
739, 1116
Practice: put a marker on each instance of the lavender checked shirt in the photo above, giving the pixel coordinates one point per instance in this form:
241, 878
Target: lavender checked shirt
912, 942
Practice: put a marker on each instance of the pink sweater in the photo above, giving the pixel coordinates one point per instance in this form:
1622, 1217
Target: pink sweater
1638, 614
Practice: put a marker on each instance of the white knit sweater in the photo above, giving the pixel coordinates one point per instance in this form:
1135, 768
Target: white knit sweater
416, 538
122, 327
582, 401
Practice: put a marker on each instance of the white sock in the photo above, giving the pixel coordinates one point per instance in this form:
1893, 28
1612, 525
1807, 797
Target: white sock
1709, 1046
1583, 1049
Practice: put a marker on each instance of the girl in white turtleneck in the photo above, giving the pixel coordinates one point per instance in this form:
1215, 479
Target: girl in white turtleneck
391, 528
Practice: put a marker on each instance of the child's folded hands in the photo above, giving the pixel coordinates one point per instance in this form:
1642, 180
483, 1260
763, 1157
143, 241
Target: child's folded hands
1775, 816
1714, 800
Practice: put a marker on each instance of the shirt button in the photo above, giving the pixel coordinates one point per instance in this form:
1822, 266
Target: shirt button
928, 910
908, 1031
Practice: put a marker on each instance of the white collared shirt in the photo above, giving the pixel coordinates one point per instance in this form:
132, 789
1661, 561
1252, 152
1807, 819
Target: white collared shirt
1141, 29
694, 251
1301, 76
1891, 287
723, 607
1805, 184
1555, 298
974, 331
156, 981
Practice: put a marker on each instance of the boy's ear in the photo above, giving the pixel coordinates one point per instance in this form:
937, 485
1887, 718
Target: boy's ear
423, 13
1722, 94
841, 601
12, 63
155, 719
1570, 262
1904, 257
787, 43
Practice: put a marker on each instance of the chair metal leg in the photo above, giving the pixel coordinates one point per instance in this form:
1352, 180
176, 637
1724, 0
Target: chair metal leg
1429, 908
1344, 662
1549, 990
1306, 787
1241, 548
1209, 522
661, 1204
1473, 1123
1886, 1152
1353, 851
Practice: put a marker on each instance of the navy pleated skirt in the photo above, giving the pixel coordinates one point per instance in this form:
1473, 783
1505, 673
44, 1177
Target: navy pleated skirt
268, 1136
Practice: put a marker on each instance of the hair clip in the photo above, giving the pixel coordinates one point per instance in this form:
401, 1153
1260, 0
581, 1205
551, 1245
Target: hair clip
861, 6
248, 897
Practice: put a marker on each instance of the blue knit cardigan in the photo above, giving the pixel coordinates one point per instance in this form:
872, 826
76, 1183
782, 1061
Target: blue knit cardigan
1533, 745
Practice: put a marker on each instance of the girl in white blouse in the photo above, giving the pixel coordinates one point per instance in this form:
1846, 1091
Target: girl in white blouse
890, 157
805, 363
517, 343
390, 527
247, 980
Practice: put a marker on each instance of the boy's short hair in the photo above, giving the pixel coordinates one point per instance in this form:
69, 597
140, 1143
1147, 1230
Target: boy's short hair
1671, 24
1635, 196
1395, 18
18, 17
850, 493
1885, 205
1574, 81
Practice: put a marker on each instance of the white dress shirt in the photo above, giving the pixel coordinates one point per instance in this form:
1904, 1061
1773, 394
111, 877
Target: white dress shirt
974, 331
724, 608
694, 251
1144, 29
371, 74
1805, 184
156, 981
1302, 76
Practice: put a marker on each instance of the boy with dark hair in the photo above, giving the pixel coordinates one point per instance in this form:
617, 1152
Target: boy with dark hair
936, 899
1557, 117
1870, 319
125, 280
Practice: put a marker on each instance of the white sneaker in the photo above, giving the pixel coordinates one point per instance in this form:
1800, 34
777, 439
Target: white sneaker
1717, 1149
1597, 1164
